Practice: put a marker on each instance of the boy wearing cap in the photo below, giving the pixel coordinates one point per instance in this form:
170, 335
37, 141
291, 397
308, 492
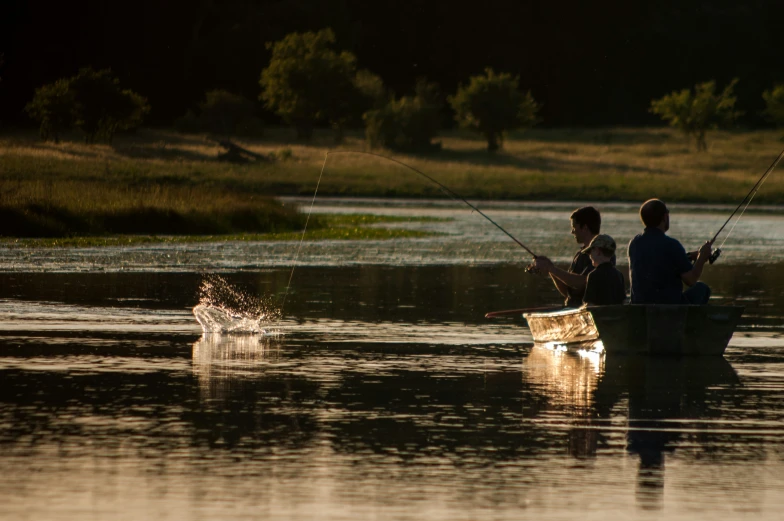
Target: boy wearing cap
604, 286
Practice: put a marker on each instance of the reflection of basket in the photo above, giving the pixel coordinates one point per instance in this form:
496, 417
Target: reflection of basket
218, 320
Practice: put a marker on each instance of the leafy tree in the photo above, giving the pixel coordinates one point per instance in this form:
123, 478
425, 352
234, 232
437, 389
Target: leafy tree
409, 123
225, 113
492, 104
307, 82
372, 92
222, 112
53, 106
102, 108
774, 104
696, 111
92, 101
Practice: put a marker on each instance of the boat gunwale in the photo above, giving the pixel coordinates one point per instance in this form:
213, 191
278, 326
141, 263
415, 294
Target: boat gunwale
583, 309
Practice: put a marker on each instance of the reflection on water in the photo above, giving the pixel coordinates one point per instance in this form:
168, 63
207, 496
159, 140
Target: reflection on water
569, 379
386, 396
463, 238
221, 360
663, 401
224, 308
568, 376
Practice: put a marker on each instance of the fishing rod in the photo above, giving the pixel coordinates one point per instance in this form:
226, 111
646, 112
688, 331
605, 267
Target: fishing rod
747, 200
495, 314
443, 188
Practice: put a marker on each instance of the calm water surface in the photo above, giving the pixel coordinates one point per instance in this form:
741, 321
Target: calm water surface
384, 393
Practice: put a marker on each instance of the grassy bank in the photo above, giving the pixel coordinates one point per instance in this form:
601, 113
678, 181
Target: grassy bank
325, 227
60, 209
160, 182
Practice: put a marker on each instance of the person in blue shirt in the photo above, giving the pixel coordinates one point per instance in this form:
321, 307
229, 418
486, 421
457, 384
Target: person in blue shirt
659, 265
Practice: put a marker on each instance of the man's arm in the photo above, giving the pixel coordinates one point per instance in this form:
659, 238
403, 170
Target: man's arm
691, 277
543, 266
561, 278
573, 280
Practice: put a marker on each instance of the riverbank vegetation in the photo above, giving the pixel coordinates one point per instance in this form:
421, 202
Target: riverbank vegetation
615, 164
321, 227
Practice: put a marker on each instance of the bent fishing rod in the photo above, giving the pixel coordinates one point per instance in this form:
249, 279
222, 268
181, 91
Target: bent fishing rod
747, 200
443, 188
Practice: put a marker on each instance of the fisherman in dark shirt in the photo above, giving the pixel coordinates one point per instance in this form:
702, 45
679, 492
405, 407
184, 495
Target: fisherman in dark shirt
659, 265
586, 223
604, 286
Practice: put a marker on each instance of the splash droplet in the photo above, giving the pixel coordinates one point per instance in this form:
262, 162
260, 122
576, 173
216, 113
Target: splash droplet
223, 308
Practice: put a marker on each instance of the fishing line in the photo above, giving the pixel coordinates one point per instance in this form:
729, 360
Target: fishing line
443, 188
302, 238
747, 200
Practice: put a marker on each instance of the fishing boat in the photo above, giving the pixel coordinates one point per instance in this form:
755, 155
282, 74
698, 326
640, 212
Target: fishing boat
640, 329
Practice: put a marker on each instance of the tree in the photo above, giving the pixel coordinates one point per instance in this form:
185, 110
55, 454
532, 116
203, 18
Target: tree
222, 112
373, 94
409, 123
696, 111
307, 82
53, 106
225, 113
774, 104
492, 104
102, 108
92, 101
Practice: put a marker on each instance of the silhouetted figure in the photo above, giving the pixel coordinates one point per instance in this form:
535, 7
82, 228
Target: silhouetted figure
586, 223
604, 286
659, 265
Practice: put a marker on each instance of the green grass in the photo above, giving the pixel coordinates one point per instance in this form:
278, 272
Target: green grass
322, 227
158, 182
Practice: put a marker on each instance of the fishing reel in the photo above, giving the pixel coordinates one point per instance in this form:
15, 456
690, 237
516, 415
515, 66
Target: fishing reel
715, 255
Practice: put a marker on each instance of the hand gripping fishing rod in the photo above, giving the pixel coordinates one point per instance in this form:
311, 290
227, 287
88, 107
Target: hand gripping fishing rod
443, 188
747, 200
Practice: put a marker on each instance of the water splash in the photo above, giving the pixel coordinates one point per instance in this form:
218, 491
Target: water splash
223, 308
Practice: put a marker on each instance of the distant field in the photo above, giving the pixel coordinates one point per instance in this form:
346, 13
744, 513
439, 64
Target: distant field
167, 170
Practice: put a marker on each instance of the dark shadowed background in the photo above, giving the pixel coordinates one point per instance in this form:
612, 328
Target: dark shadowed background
588, 63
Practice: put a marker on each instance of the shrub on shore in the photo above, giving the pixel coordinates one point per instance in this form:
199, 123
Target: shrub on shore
492, 105
774, 104
53, 107
91, 101
407, 124
222, 113
696, 111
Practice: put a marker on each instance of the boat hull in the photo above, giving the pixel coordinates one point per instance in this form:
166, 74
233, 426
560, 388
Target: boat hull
641, 329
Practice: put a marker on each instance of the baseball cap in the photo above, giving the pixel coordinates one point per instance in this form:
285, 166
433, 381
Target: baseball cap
601, 241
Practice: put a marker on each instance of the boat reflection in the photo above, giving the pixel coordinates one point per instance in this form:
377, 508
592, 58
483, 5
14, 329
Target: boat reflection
569, 377
663, 398
220, 362
665, 395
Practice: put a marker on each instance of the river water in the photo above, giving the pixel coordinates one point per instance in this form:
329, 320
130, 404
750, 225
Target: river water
382, 393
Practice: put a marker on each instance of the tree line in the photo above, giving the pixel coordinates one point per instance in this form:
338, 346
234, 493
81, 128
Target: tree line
309, 83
